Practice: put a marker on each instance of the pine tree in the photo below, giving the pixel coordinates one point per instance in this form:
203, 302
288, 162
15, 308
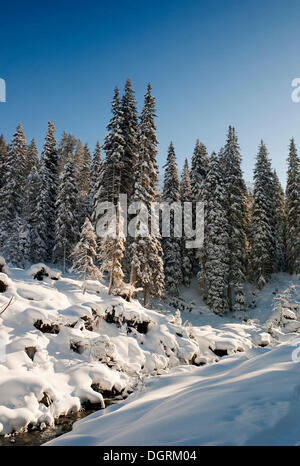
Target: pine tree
48, 193
29, 213
230, 161
262, 220
112, 247
216, 247
95, 176
279, 226
172, 244
32, 157
186, 196
129, 128
3, 153
11, 194
66, 150
66, 221
85, 254
293, 209
145, 249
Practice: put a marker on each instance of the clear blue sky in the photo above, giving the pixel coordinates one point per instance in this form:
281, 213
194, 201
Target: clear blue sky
210, 63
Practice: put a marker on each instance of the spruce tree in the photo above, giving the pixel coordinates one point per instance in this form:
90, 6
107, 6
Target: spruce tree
66, 150
84, 254
262, 220
216, 246
279, 226
172, 244
186, 197
11, 193
129, 128
48, 192
32, 158
293, 209
3, 152
235, 189
146, 251
66, 221
29, 212
95, 176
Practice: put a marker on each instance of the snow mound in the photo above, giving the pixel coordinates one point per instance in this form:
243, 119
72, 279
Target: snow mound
39, 271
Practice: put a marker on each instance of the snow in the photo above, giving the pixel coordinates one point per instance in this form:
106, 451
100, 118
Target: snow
186, 377
249, 397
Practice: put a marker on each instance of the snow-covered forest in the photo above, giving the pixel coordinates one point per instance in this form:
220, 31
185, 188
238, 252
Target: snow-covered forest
86, 319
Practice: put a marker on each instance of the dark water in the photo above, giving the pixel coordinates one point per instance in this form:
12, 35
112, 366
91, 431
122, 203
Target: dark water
63, 424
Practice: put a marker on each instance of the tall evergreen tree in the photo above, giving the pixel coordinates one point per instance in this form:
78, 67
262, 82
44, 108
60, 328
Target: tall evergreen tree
66, 221
129, 127
279, 226
146, 251
3, 152
11, 193
32, 158
185, 197
48, 193
66, 150
95, 175
216, 246
29, 213
172, 244
293, 209
85, 253
262, 220
235, 189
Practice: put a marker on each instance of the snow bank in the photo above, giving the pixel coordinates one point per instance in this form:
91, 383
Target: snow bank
251, 399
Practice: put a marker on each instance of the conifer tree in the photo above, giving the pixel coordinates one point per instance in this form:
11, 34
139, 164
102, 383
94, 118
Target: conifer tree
235, 189
3, 152
146, 251
32, 158
66, 220
66, 150
293, 209
129, 128
95, 176
185, 197
262, 219
84, 254
48, 193
279, 226
11, 193
112, 247
29, 213
172, 244
216, 247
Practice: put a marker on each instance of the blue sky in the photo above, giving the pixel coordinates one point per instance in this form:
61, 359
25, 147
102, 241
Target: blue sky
210, 63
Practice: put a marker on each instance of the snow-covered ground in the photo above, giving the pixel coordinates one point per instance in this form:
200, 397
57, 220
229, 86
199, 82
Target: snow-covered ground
196, 378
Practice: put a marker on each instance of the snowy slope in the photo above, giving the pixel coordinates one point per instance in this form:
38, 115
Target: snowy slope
251, 399
247, 398
64, 349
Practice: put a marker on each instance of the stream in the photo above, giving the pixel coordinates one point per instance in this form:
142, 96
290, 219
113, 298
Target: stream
63, 424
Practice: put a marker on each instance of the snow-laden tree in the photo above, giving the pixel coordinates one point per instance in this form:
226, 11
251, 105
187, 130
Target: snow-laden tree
199, 167
82, 168
186, 197
11, 193
112, 247
48, 193
262, 231
279, 226
216, 247
32, 156
200, 161
3, 152
293, 209
29, 213
129, 128
85, 253
66, 224
172, 243
235, 189
66, 150
95, 174
145, 249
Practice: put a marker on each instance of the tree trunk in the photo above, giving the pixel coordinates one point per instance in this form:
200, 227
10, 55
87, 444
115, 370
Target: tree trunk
145, 295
